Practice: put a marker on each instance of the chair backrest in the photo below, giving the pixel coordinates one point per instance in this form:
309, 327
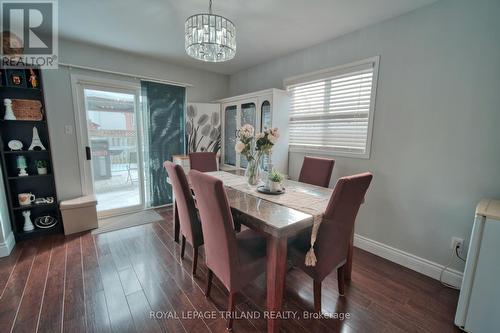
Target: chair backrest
221, 252
186, 208
203, 161
316, 171
336, 230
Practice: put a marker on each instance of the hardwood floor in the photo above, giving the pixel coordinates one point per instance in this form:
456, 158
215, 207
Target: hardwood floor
112, 281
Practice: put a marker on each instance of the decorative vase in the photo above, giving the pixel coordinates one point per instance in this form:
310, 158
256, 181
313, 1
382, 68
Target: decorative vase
28, 225
253, 171
274, 186
42, 171
9, 113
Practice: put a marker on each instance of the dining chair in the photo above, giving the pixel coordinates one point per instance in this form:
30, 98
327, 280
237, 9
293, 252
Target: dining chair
236, 259
203, 161
316, 171
334, 234
190, 226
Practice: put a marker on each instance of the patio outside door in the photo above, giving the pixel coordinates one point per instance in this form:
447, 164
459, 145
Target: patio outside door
110, 140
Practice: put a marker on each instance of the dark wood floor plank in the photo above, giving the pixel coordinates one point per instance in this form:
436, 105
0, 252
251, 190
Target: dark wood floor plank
114, 281
50, 318
129, 281
95, 300
26, 320
74, 319
157, 299
118, 310
13, 293
140, 309
218, 296
148, 253
7, 265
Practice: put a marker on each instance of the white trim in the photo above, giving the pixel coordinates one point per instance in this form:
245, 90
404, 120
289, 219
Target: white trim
408, 260
78, 83
135, 76
7, 246
328, 152
328, 71
254, 94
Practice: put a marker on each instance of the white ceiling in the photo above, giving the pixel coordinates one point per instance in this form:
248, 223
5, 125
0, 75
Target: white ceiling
265, 28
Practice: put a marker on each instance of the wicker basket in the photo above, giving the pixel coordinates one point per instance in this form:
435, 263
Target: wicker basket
27, 109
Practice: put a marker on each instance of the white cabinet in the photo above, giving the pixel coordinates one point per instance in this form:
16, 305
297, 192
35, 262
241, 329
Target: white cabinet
262, 109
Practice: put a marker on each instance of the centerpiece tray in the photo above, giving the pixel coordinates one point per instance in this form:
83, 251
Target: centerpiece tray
265, 190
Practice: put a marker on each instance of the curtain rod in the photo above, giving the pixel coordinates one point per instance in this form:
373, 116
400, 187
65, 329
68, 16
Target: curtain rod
140, 77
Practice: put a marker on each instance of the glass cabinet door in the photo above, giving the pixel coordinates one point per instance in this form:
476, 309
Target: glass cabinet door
265, 122
230, 125
265, 115
247, 117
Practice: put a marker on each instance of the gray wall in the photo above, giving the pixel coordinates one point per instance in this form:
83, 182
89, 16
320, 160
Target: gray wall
436, 132
207, 86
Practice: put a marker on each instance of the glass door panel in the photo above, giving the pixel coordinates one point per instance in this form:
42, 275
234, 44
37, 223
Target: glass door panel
265, 115
247, 117
113, 139
230, 125
265, 122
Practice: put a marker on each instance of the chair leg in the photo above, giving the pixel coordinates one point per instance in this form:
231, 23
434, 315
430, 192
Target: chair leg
230, 309
237, 226
317, 296
341, 279
209, 282
183, 246
195, 259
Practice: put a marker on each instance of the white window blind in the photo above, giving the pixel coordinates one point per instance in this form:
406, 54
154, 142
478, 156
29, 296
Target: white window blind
333, 110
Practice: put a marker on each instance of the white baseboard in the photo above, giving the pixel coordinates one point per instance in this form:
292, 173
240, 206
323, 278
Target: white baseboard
408, 260
8, 245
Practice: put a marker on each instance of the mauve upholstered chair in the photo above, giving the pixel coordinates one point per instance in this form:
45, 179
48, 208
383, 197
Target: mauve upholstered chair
203, 161
190, 226
316, 171
236, 259
334, 234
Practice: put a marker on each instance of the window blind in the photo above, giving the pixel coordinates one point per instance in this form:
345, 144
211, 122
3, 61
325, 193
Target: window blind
331, 110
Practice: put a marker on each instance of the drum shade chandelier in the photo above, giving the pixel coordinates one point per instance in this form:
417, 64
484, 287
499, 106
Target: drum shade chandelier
210, 37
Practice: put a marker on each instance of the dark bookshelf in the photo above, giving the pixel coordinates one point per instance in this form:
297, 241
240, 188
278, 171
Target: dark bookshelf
40, 185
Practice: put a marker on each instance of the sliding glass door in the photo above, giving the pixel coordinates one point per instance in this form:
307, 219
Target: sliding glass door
110, 135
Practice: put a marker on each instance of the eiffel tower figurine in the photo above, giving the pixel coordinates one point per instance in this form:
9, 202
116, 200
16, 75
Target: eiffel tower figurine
36, 142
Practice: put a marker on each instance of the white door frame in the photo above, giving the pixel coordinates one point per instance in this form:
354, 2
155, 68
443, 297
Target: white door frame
80, 82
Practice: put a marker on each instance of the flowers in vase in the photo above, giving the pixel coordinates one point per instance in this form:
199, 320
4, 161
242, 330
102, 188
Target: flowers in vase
266, 140
244, 144
264, 143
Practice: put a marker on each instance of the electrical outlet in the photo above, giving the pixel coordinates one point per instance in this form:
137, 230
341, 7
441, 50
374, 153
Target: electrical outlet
68, 129
457, 242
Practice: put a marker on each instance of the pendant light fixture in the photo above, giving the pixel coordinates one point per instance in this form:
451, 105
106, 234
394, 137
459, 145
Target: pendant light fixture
210, 37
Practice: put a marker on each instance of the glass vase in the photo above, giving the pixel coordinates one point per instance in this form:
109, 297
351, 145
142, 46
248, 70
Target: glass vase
253, 171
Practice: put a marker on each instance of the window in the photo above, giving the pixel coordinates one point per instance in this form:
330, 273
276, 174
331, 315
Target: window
332, 110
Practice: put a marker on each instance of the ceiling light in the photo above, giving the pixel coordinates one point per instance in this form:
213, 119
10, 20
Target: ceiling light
210, 37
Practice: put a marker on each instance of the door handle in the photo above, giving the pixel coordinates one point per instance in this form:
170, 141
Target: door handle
87, 152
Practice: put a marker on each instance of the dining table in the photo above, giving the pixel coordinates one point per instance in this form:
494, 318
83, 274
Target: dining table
278, 220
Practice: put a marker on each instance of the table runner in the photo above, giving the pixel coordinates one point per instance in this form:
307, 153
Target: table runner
296, 196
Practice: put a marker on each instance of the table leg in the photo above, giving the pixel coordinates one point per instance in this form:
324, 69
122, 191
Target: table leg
348, 265
276, 271
176, 223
